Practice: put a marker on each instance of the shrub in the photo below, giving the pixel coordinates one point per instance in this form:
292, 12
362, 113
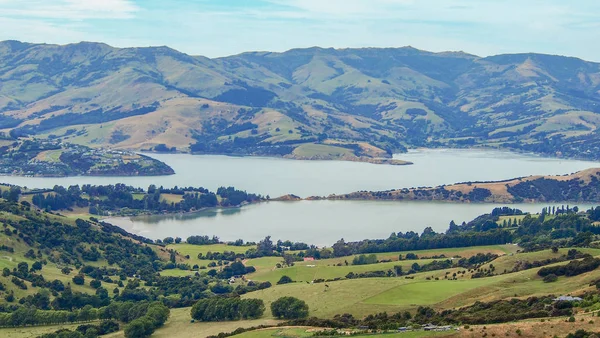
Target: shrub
284, 280
289, 308
79, 280
551, 278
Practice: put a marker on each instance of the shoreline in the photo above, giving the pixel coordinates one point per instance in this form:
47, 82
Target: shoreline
376, 161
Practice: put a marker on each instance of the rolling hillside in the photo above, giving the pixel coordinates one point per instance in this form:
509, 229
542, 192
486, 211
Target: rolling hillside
582, 186
305, 103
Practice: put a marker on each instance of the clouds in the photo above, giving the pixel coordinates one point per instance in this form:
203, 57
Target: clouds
68, 9
217, 28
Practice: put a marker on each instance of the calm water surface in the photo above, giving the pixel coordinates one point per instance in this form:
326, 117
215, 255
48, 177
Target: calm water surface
322, 222
315, 222
276, 177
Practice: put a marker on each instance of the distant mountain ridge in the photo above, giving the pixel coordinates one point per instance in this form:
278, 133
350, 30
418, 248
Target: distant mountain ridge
309, 103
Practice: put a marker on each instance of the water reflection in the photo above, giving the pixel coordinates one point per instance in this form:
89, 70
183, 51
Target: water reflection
315, 222
208, 213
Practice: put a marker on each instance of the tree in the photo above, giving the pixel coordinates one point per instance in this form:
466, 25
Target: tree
139, 328
284, 280
551, 278
37, 266
23, 268
13, 194
158, 314
289, 308
265, 247
289, 259
96, 283
79, 280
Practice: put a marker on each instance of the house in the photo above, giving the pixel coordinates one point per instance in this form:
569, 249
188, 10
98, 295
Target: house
568, 299
231, 280
309, 259
431, 327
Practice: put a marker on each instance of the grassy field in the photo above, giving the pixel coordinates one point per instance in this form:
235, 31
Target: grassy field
171, 198
508, 262
321, 151
49, 156
309, 271
193, 250
32, 332
302, 332
548, 327
179, 325
364, 296
371, 295
329, 269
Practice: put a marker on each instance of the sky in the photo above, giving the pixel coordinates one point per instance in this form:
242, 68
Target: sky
217, 28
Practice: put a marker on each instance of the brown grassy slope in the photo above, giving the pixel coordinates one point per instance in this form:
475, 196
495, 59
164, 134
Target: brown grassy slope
460, 192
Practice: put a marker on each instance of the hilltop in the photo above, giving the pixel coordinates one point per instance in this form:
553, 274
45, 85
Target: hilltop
313, 103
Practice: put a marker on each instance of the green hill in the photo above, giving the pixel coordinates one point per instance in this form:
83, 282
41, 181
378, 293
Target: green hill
355, 103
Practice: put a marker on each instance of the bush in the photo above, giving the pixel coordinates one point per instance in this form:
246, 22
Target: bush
139, 328
289, 308
284, 280
155, 317
551, 278
79, 280
364, 259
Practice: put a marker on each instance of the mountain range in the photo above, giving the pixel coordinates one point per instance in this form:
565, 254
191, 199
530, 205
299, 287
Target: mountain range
310, 103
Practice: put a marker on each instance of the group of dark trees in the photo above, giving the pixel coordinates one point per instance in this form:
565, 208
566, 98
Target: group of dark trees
574, 268
86, 330
544, 189
567, 228
102, 199
227, 309
234, 308
77, 243
428, 240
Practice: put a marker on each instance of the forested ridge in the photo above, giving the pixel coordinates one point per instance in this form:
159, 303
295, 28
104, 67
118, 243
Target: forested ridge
120, 198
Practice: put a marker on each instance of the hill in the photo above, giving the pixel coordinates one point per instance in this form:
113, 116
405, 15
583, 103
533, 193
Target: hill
91, 277
304, 103
52, 158
583, 186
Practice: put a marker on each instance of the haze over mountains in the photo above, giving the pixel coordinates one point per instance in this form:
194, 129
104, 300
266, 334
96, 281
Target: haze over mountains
304, 103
